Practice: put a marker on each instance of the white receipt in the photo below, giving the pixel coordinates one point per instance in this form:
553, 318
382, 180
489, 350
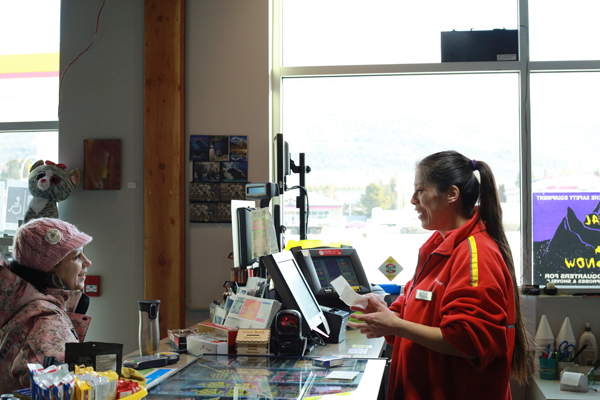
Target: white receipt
570, 378
342, 375
348, 295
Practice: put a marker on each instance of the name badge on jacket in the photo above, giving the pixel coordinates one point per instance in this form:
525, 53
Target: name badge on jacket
423, 295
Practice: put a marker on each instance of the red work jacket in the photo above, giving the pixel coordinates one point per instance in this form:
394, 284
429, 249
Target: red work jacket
463, 286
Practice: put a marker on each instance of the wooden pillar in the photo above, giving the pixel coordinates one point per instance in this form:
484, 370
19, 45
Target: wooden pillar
164, 159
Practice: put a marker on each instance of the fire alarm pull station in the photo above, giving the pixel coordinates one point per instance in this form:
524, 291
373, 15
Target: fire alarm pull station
92, 285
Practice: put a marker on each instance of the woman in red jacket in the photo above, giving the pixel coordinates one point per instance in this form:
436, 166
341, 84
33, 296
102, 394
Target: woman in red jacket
457, 331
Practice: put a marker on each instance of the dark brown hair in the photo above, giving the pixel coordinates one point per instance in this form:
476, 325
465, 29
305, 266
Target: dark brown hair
444, 169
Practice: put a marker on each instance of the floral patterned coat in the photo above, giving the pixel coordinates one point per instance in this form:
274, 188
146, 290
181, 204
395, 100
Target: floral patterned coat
34, 325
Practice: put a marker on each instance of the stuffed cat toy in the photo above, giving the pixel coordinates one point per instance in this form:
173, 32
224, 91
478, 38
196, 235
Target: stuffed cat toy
49, 183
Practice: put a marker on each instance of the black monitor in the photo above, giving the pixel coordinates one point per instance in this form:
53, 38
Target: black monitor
282, 161
241, 222
322, 265
294, 290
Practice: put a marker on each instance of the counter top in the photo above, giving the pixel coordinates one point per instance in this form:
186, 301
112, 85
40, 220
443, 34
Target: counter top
541, 389
356, 345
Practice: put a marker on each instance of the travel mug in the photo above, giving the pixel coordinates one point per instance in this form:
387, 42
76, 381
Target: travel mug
149, 332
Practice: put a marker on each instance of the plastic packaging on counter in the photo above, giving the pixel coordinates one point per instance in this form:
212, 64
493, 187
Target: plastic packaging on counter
566, 334
543, 338
127, 388
590, 354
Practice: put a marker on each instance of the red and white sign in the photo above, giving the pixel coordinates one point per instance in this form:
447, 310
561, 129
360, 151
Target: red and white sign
390, 268
330, 252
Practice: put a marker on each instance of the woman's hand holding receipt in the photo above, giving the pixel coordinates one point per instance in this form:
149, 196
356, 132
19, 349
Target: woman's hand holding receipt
381, 321
349, 296
377, 319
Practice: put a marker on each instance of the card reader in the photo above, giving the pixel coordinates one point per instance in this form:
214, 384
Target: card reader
337, 320
145, 362
260, 191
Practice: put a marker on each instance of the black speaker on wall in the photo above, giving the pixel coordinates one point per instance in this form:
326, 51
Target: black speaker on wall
494, 45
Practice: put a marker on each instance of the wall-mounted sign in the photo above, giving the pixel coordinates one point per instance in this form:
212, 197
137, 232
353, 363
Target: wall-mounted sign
566, 238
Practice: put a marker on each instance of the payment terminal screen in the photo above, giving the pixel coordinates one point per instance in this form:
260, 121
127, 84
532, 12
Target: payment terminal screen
329, 268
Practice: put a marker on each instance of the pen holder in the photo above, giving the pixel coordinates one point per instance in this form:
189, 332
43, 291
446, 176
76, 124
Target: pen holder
548, 368
563, 364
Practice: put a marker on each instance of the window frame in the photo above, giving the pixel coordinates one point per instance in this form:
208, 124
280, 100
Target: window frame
16, 127
37, 126
524, 67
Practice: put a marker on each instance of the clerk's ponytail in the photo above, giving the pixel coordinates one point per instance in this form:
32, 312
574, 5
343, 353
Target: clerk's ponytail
445, 169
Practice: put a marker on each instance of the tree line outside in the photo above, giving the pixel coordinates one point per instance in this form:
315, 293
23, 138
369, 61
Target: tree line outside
384, 195
375, 194
15, 169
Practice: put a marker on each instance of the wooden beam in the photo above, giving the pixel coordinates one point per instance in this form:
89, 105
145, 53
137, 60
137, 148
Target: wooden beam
164, 160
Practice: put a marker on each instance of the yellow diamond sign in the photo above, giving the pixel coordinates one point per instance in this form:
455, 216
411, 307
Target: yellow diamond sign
390, 268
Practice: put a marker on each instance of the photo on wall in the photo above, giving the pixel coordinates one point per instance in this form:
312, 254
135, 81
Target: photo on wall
206, 172
205, 191
238, 148
219, 148
224, 212
102, 164
234, 171
233, 191
203, 212
199, 146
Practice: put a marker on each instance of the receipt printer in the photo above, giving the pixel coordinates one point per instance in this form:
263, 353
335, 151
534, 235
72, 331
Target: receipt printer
337, 320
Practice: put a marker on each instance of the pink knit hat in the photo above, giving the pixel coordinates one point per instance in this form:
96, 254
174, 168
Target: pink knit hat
42, 243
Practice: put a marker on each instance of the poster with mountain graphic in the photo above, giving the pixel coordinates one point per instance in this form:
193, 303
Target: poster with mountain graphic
566, 238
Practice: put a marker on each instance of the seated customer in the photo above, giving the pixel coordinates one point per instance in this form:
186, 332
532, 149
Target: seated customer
42, 306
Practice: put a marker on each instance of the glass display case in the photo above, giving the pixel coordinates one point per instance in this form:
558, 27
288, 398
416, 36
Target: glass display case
265, 377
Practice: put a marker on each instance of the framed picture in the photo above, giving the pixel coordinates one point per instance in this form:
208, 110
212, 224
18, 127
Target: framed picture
238, 148
219, 175
205, 191
224, 212
207, 172
203, 212
219, 148
199, 146
210, 212
234, 171
233, 191
102, 164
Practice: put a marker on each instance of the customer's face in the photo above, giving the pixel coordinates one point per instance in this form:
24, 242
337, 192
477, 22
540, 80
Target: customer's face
72, 269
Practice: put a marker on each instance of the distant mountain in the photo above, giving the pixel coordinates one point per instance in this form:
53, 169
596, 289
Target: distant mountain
368, 153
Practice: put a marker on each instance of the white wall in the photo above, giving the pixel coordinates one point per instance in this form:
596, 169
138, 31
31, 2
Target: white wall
102, 99
227, 89
227, 93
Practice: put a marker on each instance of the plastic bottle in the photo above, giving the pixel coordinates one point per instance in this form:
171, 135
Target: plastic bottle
566, 335
543, 338
588, 356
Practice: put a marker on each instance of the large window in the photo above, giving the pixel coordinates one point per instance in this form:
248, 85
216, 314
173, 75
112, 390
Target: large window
29, 68
360, 90
366, 133
355, 32
564, 31
565, 125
